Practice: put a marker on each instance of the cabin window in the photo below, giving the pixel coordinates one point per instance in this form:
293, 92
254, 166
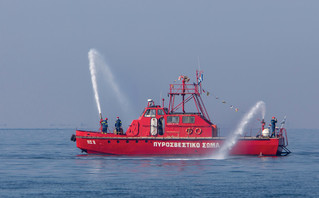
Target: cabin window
188, 119
150, 113
160, 112
142, 112
172, 119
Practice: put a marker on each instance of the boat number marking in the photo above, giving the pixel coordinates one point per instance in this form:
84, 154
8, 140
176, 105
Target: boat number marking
187, 144
91, 141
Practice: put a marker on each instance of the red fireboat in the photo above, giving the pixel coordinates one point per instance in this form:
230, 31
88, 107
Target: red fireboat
165, 131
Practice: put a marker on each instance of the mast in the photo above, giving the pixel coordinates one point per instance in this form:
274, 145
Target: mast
189, 92
183, 94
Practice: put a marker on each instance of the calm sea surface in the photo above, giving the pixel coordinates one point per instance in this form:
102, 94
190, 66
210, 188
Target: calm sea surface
45, 163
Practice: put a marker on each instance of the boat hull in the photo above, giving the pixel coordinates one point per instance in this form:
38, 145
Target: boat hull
97, 143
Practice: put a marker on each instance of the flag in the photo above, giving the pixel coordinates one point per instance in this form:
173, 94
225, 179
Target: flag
201, 78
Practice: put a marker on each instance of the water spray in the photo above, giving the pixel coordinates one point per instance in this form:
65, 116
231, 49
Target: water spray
232, 140
92, 53
100, 65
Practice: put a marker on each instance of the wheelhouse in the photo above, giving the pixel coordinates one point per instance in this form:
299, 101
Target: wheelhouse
158, 121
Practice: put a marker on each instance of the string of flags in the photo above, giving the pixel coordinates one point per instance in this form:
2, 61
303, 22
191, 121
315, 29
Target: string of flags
222, 101
200, 80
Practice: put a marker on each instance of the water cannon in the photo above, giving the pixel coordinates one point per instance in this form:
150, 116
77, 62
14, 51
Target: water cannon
101, 116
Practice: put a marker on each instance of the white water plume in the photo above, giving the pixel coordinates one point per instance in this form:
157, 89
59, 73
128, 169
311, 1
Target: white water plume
105, 69
93, 78
233, 138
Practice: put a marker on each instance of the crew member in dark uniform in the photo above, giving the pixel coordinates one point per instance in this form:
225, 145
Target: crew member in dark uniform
104, 125
273, 126
118, 124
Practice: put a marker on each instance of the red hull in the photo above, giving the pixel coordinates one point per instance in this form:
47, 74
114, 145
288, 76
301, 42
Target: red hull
173, 131
94, 142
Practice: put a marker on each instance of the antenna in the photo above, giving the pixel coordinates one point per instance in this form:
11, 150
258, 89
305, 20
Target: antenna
198, 62
283, 122
161, 97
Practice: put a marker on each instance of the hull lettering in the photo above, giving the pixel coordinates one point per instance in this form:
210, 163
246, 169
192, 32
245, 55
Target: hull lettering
186, 145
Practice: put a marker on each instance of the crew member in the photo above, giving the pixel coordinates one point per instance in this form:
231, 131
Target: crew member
104, 125
273, 126
263, 124
118, 124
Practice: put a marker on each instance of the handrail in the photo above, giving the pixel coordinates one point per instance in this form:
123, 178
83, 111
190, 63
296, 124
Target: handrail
286, 137
283, 132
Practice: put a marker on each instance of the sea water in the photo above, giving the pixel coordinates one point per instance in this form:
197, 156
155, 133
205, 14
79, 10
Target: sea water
45, 163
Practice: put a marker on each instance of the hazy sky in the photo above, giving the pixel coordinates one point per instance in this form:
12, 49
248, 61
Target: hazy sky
249, 51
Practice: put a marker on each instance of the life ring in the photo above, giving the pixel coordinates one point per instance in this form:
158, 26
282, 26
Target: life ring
198, 131
135, 128
189, 131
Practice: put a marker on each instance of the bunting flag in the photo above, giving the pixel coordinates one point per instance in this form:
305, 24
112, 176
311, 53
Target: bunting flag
223, 101
201, 78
